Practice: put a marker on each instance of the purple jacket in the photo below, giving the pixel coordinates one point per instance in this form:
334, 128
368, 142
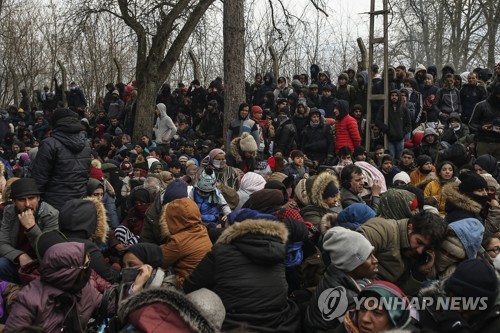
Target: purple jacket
34, 304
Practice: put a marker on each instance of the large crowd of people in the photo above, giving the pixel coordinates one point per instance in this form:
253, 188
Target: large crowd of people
288, 223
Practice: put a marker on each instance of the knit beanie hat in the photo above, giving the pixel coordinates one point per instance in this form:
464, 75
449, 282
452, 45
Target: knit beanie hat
148, 253
473, 278
210, 305
141, 194
60, 114
492, 182
402, 176
92, 185
357, 213
470, 182
487, 162
296, 153
399, 312
422, 159
396, 204
243, 214
347, 249
207, 181
330, 191
176, 189
256, 109
247, 143
96, 173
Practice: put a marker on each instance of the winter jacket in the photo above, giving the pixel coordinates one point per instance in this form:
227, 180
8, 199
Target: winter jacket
447, 101
333, 278
36, 303
459, 206
346, 129
188, 239
485, 113
84, 221
470, 95
116, 109
390, 238
211, 126
434, 189
76, 99
452, 136
317, 141
348, 198
164, 128
62, 167
46, 220
237, 127
284, 139
327, 105
246, 269
318, 207
210, 211
398, 122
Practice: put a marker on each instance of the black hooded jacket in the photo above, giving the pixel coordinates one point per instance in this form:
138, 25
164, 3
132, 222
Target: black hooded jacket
487, 112
62, 166
399, 122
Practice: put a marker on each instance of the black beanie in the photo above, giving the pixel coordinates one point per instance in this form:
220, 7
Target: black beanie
422, 159
148, 253
470, 182
330, 191
473, 278
60, 114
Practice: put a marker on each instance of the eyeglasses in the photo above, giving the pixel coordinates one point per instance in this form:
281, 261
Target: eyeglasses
495, 250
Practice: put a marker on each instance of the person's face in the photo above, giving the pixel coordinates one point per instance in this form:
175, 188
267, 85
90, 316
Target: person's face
244, 112
258, 78
430, 139
301, 109
98, 193
315, 118
481, 192
183, 164
457, 82
158, 169
357, 114
299, 160
175, 171
302, 79
394, 98
450, 82
322, 77
361, 157
114, 122
282, 105
125, 140
327, 93
367, 270
479, 170
182, 127
342, 81
281, 84
379, 153
491, 191
257, 115
400, 73
278, 155
472, 79
387, 166
374, 320
454, 123
357, 182
131, 260
427, 166
418, 243
493, 248
313, 91
138, 149
331, 201
16, 148
406, 159
446, 172
27, 202
248, 154
189, 150
336, 111
428, 81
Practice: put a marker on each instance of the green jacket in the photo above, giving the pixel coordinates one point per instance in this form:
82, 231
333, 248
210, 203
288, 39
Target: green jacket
390, 239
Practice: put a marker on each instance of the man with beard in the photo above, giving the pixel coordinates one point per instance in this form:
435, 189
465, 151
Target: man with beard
405, 248
485, 121
353, 183
22, 222
447, 99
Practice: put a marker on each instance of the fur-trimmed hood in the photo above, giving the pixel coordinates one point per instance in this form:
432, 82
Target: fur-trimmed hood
319, 186
84, 218
328, 221
254, 227
453, 196
176, 304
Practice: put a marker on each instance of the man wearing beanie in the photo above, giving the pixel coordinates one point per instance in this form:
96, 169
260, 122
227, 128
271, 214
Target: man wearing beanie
475, 282
352, 259
62, 165
467, 199
243, 152
405, 248
424, 173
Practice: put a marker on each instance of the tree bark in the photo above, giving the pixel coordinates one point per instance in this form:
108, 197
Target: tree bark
196, 65
15, 84
118, 70
276, 63
64, 83
234, 59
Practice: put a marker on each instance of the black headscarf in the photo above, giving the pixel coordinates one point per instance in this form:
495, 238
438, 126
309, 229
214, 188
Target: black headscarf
148, 253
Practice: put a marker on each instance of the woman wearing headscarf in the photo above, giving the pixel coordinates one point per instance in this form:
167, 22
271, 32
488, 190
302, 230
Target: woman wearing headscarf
397, 204
250, 183
224, 173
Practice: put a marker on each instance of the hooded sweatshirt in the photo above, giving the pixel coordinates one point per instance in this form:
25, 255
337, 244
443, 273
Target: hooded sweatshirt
164, 127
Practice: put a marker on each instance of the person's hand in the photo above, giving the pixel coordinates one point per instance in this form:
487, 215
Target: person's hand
223, 220
494, 203
143, 275
120, 248
376, 188
487, 127
27, 219
426, 267
290, 204
24, 259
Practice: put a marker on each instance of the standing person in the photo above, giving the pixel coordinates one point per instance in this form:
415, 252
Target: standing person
471, 94
346, 127
76, 98
317, 139
242, 124
398, 124
447, 99
22, 222
164, 127
62, 166
284, 137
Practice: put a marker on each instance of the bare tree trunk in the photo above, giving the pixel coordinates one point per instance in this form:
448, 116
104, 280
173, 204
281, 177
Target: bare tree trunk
118, 70
15, 84
196, 65
234, 59
364, 55
64, 83
276, 63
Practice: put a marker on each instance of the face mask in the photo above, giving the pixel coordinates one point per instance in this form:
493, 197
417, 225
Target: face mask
481, 199
496, 262
219, 164
409, 90
282, 118
314, 124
